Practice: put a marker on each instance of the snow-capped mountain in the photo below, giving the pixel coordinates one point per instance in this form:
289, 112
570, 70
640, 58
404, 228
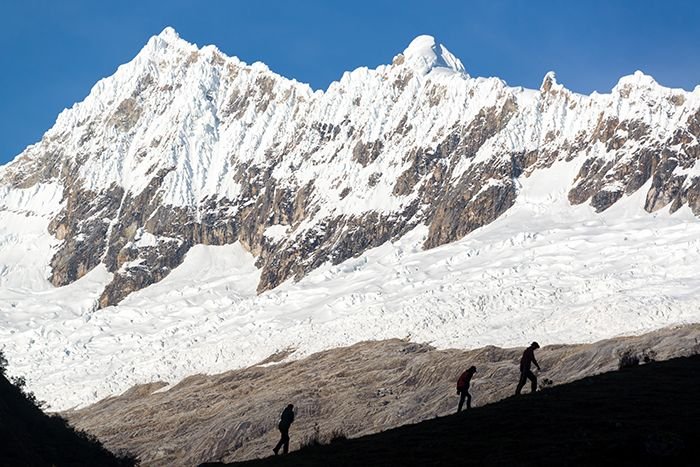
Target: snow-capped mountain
184, 148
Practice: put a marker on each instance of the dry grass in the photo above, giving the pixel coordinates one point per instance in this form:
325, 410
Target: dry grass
641, 416
358, 390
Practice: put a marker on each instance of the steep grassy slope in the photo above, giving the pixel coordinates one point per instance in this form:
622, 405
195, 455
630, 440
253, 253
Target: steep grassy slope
358, 390
646, 415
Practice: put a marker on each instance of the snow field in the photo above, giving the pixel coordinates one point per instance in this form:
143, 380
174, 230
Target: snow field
545, 270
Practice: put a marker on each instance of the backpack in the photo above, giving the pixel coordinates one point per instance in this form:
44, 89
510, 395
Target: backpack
462, 382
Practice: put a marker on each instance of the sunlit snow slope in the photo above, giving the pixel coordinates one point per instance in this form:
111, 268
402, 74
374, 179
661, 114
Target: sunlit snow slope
197, 214
542, 271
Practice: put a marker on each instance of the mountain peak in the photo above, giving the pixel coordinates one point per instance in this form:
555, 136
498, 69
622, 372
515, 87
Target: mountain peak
424, 53
638, 79
166, 38
549, 83
169, 34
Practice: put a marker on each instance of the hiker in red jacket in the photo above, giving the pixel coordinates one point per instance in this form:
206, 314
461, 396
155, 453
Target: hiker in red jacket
526, 362
463, 388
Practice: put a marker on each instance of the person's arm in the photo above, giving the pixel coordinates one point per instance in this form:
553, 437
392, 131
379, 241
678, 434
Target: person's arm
534, 360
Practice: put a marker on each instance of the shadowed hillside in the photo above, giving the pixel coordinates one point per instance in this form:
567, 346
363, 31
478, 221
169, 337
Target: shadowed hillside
29, 437
646, 415
358, 390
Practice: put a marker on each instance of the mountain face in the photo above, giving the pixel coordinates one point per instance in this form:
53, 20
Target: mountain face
410, 201
185, 146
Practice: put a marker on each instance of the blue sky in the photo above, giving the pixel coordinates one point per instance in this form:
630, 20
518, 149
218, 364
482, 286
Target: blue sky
54, 51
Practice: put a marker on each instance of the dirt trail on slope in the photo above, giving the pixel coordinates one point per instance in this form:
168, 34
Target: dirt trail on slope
356, 390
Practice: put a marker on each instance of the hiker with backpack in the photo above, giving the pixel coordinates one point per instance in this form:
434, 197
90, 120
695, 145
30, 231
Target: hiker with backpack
286, 420
463, 388
526, 373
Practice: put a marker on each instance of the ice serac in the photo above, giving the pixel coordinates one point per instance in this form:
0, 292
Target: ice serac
184, 146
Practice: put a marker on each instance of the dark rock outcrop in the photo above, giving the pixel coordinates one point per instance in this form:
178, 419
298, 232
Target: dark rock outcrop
32, 438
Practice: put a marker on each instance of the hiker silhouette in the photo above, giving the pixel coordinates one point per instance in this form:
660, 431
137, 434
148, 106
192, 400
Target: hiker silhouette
526, 362
286, 420
463, 388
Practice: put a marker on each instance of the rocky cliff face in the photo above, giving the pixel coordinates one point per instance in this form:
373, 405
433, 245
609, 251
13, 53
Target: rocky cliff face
184, 146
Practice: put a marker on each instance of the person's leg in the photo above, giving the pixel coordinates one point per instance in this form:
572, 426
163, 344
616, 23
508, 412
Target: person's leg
462, 395
533, 380
276, 449
469, 400
285, 437
521, 383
